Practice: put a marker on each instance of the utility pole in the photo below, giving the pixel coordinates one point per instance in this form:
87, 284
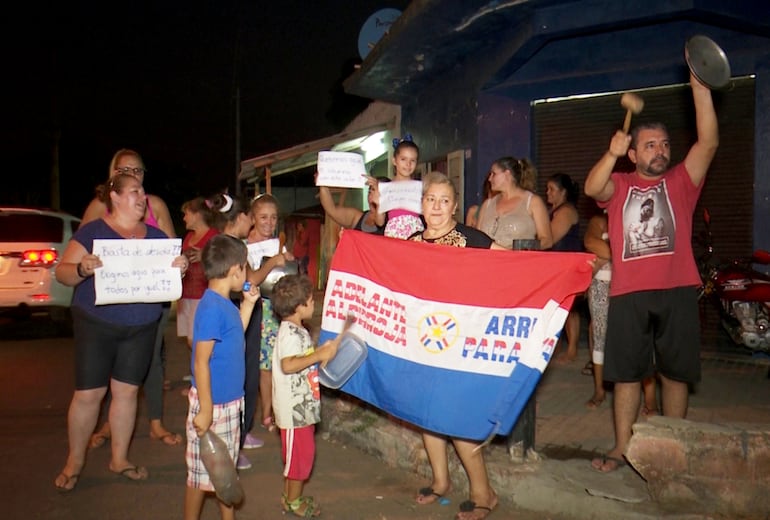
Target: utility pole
237, 140
55, 181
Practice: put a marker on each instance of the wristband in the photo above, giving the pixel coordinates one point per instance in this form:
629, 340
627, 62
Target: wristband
80, 271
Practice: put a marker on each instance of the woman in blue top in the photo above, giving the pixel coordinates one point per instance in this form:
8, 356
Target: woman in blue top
113, 343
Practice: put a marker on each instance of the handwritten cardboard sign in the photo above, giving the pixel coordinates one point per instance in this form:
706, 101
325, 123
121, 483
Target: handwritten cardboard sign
137, 271
259, 249
341, 170
401, 195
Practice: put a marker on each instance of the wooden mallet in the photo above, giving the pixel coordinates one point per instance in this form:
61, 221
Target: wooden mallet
633, 105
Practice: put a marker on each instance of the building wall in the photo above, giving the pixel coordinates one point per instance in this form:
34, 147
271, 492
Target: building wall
458, 112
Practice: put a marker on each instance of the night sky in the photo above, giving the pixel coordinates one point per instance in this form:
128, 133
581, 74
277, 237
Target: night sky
160, 77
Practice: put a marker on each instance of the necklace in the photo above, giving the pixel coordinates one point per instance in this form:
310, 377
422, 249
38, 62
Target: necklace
125, 231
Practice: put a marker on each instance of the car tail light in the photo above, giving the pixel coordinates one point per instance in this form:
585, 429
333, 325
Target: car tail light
39, 258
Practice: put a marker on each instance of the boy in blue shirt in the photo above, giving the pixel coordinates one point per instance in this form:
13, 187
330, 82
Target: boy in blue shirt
218, 365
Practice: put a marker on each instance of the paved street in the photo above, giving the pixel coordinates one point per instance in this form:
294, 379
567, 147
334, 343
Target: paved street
36, 382
36, 386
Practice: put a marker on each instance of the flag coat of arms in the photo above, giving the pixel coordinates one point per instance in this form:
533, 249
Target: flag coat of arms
457, 338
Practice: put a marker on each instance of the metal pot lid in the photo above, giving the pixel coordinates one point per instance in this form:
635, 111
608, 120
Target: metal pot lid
707, 61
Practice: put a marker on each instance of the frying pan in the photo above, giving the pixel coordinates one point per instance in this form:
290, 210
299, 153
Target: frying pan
707, 62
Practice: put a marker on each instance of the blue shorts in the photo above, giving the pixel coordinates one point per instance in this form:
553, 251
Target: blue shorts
651, 331
105, 351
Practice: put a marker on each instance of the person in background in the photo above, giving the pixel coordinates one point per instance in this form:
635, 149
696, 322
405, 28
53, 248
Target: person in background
472, 216
129, 162
297, 396
400, 223
198, 220
113, 343
562, 195
218, 366
439, 204
353, 218
233, 217
652, 323
264, 211
301, 248
516, 212
597, 242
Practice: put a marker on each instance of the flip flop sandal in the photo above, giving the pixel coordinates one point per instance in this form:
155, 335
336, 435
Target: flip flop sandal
428, 494
619, 463
139, 473
268, 424
168, 438
469, 506
588, 369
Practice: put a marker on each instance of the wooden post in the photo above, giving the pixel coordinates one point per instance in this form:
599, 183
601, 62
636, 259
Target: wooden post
268, 182
522, 437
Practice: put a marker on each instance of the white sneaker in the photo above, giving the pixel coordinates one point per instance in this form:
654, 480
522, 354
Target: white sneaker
243, 462
251, 442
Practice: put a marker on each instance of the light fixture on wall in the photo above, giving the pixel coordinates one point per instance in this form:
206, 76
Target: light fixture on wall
373, 146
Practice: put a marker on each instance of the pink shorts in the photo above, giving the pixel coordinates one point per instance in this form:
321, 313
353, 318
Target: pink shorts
298, 452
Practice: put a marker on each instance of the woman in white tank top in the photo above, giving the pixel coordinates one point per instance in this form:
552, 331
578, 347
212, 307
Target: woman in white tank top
515, 212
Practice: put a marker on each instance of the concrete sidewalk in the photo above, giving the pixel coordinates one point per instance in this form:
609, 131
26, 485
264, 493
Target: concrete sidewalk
557, 481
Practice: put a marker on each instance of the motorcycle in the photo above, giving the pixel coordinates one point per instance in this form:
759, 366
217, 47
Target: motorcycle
741, 293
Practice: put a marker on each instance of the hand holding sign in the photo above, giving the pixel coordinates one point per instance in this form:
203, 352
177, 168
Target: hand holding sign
139, 271
341, 170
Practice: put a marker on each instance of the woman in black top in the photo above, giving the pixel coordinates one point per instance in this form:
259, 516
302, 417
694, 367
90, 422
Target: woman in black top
439, 204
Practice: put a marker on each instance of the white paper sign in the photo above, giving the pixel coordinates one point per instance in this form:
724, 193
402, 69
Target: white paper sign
259, 249
401, 195
137, 271
341, 170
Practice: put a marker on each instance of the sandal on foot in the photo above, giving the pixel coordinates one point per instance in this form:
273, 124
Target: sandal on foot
594, 403
588, 369
65, 483
133, 473
295, 507
427, 496
470, 511
168, 438
615, 464
268, 424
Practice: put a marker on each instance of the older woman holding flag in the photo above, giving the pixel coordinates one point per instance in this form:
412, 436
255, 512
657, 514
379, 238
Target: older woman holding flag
439, 205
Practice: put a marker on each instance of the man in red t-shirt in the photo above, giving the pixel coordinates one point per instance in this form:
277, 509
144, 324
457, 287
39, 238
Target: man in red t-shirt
652, 324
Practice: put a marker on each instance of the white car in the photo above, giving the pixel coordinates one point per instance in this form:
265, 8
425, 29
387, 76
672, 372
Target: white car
31, 244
